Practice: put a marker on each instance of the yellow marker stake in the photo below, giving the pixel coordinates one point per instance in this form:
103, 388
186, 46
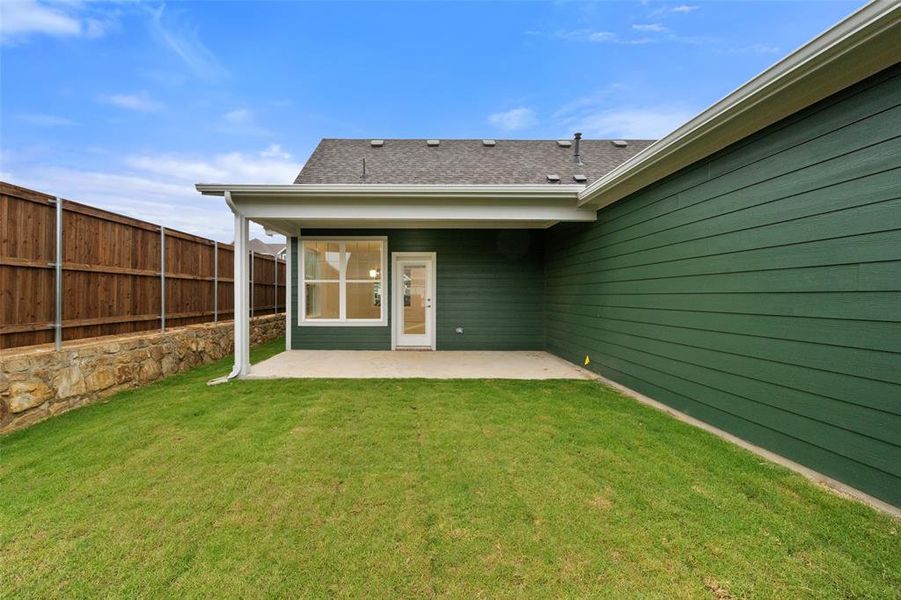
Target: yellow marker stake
587, 360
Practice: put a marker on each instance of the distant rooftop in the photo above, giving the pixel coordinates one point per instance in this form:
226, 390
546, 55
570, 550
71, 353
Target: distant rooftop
261, 247
479, 161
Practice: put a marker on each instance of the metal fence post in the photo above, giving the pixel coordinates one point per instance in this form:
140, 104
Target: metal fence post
252, 299
215, 282
275, 286
58, 278
162, 279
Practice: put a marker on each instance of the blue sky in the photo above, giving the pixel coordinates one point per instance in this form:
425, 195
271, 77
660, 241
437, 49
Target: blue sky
126, 105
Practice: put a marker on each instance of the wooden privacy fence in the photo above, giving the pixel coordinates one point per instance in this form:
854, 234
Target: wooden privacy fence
71, 271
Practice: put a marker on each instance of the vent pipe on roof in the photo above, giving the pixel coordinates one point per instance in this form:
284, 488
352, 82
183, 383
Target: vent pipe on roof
577, 150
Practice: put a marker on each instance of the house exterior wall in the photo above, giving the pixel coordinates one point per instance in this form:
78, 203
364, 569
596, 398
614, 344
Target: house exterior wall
490, 282
758, 290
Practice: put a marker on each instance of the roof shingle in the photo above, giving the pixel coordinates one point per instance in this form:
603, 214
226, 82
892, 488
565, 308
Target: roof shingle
410, 161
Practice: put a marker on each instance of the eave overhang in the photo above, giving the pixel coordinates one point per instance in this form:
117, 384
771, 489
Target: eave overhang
418, 191
286, 208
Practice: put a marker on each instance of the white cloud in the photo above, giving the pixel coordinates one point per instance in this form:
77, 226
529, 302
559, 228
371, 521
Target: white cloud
177, 168
272, 165
594, 36
514, 119
635, 123
140, 102
275, 151
602, 114
42, 120
95, 28
678, 9
581, 35
650, 27
239, 115
241, 121
160, 188
20, 20
183, 40
755, 49
599, 37
151, 199
590, 102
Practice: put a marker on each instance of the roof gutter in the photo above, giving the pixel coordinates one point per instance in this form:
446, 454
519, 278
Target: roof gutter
859, 46
422, 191
228, 200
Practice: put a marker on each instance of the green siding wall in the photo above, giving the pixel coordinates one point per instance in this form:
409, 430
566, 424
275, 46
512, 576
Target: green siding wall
759, 290
490, 282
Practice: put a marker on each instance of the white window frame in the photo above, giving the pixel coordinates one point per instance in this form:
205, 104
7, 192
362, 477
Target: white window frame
342, 321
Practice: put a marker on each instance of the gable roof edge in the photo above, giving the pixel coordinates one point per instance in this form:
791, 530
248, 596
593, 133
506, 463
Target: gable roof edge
857, 47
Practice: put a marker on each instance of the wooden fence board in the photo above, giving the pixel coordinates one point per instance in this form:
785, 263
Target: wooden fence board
111, 273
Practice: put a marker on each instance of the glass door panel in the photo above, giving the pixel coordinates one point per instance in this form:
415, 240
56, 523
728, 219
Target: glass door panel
414, 299
414, 302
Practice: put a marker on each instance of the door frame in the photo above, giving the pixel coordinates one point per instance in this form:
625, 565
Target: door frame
397, 303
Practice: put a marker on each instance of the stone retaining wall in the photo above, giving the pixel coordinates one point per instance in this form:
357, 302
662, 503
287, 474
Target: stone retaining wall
37, 383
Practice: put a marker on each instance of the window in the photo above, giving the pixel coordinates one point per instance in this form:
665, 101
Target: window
343, 281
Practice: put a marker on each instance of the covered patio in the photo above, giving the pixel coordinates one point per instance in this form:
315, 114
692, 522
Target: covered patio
374, 268
362, 364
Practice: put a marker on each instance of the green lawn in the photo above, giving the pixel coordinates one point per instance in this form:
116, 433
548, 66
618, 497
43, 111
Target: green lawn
414, 488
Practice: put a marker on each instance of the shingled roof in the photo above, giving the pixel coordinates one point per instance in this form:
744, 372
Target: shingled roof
462, 161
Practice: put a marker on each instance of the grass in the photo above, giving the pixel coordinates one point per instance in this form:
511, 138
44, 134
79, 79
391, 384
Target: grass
415, 488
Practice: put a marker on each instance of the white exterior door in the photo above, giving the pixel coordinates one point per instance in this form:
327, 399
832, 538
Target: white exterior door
414, 300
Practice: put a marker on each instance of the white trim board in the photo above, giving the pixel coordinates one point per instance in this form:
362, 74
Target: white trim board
369, 191
433, 321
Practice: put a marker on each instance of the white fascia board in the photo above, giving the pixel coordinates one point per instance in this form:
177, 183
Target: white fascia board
859, 46
368, 205
352, 190
387, 209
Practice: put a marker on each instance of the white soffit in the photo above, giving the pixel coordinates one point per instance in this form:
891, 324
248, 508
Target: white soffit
287, 207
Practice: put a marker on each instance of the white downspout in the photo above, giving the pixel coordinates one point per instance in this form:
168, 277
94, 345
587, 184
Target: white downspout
241, 294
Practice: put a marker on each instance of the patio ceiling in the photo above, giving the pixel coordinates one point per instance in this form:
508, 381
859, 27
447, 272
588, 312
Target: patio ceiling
289, 208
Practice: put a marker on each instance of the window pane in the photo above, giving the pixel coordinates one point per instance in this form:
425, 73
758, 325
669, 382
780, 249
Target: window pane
364, 260
322, 301
321, 260
364, 300
414, 299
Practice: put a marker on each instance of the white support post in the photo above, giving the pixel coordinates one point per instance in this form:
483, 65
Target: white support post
289, 279
242, 297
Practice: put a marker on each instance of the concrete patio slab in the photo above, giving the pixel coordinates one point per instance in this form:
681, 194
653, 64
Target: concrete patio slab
362, 364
